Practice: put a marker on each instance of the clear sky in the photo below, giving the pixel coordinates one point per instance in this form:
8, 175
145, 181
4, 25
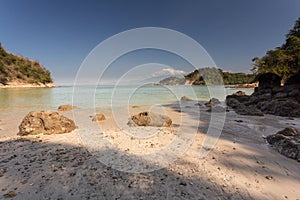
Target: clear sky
60, 33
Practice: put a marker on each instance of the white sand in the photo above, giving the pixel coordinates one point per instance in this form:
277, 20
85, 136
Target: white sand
240, 166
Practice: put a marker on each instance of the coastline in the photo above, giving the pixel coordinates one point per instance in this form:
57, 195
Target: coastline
27, 85
240, 166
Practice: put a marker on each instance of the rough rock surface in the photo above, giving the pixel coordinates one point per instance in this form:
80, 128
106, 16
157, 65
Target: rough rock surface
212, 102
149, 119
65, 107
46, 122
269, 98
286, 142
98, 117
217, 109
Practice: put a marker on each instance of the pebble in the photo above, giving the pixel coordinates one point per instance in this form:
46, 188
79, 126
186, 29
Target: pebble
10, 194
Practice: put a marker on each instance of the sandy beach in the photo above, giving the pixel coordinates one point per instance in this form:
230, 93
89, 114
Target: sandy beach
240, 166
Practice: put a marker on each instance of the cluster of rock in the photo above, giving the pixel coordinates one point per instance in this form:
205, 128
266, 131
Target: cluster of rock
45, 122
149, 119
214, 106
269, 97
286, 142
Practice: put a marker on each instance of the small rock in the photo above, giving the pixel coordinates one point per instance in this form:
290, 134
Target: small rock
185, 98
149, 119
269, 177
66, 107
10, 194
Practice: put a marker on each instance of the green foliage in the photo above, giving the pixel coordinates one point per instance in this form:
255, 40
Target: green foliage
283, 61
18, 68
214, 76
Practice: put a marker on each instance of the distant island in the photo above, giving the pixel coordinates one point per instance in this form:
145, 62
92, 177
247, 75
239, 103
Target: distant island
17, 71
209, 75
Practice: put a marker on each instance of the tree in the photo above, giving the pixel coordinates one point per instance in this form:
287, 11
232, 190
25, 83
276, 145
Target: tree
283, 61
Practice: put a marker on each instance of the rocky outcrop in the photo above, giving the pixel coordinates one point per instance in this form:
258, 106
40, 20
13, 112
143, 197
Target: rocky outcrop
294, 79
268, 80
45, 122
65, 108
149, 119
269, 98
286, 142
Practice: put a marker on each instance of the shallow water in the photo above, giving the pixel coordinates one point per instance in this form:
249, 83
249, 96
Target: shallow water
27, 99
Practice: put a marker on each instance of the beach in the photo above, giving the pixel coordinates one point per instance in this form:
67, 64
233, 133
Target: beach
67, 166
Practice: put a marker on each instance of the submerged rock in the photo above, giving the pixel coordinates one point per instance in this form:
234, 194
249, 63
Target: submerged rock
65, 107
286, 142
149, 119
46, 122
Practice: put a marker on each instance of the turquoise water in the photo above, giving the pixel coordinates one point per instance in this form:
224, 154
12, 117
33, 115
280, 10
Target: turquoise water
21, 99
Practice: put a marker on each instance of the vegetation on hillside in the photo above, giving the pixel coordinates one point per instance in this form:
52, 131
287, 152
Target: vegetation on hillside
210, 76
214, 76
284, 60
23, 70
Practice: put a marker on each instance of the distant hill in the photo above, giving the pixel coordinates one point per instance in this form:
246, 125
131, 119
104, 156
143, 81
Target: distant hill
173, 80
16, 70
210, 76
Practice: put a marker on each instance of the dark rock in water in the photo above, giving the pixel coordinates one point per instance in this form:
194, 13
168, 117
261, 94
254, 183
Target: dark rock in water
150, 119
294, 79
268, 80
286, 142
46, 122
217, 109
212, 102
65, 107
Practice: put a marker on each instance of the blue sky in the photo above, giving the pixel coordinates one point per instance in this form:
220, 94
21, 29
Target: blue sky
60, 33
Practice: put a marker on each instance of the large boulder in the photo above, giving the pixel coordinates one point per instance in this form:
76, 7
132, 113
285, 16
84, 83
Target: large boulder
65, 108
268, 80
46, 122
286, 142
149, 119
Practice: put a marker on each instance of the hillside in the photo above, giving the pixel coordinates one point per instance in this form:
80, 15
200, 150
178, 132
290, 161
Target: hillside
18, 71
210, 76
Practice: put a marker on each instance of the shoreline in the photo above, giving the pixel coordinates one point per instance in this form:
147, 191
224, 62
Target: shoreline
26, 85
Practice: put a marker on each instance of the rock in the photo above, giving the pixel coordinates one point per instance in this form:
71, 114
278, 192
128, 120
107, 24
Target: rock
293, 80
248, 110
98, 117
212, 102
286, 142
185, 98
268, 80
10, 194
293, 93
65, 108
149, 119
46, 122
239, 93
217, 109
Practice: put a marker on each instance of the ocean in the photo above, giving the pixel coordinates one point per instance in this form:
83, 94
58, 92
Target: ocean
29, 99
